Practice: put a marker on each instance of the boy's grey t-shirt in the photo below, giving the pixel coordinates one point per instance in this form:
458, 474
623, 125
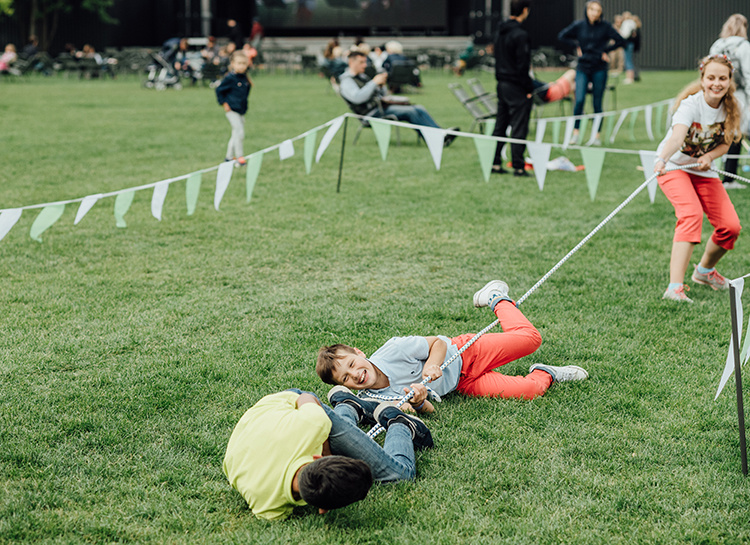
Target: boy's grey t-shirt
401, 359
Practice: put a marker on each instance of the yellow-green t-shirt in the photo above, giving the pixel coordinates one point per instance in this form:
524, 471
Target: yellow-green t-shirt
272, 440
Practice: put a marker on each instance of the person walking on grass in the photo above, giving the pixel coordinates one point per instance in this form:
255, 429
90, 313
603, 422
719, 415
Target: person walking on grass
289, 449
706, 120
232, 94
593, 38
402, 362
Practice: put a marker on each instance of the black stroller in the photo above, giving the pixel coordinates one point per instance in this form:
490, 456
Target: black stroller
161, 72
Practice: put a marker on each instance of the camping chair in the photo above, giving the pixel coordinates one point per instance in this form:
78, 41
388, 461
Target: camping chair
488, 100
473, 105
403, 73
365, 124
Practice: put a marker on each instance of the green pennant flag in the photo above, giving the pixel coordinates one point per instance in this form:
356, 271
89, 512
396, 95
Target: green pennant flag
382, 132
631, 128
310, 141
253, 169
609, 124
486, 151
122, 205
489, 127
582, 130
192, 188
659, 119
593, 159
556, 131
46, 219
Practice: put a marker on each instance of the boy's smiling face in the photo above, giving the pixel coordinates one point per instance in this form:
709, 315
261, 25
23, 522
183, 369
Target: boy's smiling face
355, 371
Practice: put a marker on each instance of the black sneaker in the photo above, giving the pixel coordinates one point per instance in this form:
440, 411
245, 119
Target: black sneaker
498, 169
342, 394
449, 138
387, 415
520, 172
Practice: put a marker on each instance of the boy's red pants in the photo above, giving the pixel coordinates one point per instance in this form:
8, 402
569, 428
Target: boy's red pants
518, 339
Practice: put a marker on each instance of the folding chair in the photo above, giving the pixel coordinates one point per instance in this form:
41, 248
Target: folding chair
365, 124
404, 73
488, 100
473, 105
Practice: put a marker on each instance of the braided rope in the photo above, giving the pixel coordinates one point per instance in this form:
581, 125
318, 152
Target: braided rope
377, 429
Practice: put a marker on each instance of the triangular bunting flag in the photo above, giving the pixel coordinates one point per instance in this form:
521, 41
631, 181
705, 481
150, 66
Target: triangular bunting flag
253, 169
631, 128
649, 129
192, 189
539, 157
648, 158
541, 127
659, 115
556, 131
286, 150
157, 200
486, 152
8, 219
596, 127
739, 286
619, 123
582, 128
608, 125
569, 127
310, 140
593, 159
86, 204
328, 137
122, 205
434, 138
382, 132
46, 219
489, 126
223, 177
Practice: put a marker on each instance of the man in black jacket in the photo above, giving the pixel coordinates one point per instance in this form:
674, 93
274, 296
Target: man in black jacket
514, 84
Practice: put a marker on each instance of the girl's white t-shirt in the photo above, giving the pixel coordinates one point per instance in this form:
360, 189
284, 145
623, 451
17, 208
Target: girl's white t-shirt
705, 132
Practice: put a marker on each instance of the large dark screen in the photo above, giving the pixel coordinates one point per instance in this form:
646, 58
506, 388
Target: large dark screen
330, 14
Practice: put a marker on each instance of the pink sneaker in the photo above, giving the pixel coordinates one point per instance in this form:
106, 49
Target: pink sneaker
678, 294
713, 279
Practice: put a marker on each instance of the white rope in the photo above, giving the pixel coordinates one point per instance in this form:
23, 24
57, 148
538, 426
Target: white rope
377, 429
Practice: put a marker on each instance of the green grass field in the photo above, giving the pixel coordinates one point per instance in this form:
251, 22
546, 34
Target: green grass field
127, 355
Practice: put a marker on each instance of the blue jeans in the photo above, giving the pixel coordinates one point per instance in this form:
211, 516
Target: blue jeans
629, 51
395, 461
414, 114
598, 81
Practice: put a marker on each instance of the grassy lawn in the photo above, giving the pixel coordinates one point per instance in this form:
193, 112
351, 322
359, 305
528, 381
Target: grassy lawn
127, 355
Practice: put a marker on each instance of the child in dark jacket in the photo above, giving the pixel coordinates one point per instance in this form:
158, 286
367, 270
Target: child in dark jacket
232, 94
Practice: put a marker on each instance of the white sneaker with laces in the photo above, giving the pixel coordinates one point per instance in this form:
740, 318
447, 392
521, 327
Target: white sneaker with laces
493, 288
677, 294
713, 279
562, 374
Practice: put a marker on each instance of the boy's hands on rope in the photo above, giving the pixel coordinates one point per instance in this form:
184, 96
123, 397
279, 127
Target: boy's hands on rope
419, 402
438, 349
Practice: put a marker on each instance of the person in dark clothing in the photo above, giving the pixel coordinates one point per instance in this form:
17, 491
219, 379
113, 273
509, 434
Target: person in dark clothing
235, 34
593, 38
514, 85
232, 95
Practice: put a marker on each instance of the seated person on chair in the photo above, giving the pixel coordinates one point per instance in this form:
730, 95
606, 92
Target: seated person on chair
368, 97
289, 449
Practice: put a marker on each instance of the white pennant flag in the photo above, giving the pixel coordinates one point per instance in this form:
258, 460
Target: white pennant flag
86, 204
649, 114
739, 285
620, 121
569, 127
648, 158
539, 157
328, 137
157, 199
595, 128
8, 219
434, 138
223, 177
286, 150
541, 127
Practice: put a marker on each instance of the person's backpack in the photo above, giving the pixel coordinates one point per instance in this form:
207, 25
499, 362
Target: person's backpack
739, 77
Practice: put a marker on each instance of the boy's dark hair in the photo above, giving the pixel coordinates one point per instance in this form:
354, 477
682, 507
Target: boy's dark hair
326, 363
332, 482
517, 7
356, 53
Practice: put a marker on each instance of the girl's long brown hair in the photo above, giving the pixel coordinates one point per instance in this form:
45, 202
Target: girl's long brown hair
731, 107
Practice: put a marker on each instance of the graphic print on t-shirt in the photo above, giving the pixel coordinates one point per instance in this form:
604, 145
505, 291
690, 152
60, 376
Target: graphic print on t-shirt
699, 142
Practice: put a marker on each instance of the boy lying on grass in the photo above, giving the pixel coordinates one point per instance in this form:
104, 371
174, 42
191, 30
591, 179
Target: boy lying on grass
402, 362
289, 449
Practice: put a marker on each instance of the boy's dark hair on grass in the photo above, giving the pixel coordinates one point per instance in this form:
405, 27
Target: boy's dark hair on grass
327, 357
332, 482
